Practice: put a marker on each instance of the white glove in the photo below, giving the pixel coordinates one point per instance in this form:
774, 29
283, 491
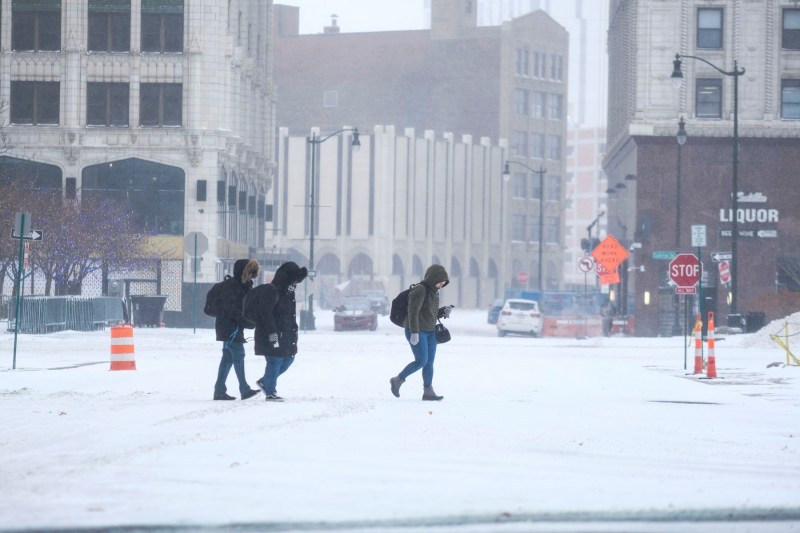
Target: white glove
446, 310
414, 339
273, 338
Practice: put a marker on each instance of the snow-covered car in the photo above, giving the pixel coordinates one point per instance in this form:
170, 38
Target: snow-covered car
519, 316
379, 301
355, 313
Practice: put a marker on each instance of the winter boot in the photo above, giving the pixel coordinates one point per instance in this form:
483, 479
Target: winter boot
395, 384
430, 396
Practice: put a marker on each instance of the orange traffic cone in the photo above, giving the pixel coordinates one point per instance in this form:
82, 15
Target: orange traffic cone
122, 357
698, 345
711, 367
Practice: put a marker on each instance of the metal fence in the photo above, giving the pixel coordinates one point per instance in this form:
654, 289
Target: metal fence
46, 314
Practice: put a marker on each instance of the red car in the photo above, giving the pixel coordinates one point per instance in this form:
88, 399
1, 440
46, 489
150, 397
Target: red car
355, 313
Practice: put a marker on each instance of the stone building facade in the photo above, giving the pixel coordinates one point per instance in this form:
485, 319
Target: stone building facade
498, 82
671, 188
168, 103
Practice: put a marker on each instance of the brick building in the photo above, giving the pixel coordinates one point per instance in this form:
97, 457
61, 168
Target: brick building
669, 188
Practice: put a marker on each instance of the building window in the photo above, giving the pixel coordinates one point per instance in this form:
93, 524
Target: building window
537, 104
35, 102
109, 26
708, 98
36, 25
107, 104
556, 67
554, 106
538, 65
519, 185
709, 28
554, 147
521, 101
518, 64
519, 144
518, 227
536, 190
160, 104
553, 188
790, 99
533, 229
791, 29
330, 98
162, 26
552, 231
537, 145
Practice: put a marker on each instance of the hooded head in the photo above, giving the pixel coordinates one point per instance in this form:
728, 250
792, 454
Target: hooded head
289, 274
245, 270
434, 275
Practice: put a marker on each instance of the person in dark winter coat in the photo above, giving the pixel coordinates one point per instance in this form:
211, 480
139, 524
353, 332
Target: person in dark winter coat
420, 324
273, 309
229, 326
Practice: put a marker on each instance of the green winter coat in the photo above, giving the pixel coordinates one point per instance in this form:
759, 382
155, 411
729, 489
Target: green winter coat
423, 301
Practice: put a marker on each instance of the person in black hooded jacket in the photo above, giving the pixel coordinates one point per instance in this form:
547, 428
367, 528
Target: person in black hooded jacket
229, 327
273, 309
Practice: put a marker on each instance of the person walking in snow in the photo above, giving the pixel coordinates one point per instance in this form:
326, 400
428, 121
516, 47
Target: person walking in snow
229, 326
420, 324
273, 309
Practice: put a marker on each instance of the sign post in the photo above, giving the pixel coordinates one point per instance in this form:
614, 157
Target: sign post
685, 271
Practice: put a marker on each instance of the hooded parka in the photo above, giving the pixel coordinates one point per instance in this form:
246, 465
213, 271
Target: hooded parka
272, 307
232, 295
423, 301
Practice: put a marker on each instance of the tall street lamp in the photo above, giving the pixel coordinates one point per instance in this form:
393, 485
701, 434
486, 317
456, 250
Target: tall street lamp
541, 172
681, 138
677, 81
314, 141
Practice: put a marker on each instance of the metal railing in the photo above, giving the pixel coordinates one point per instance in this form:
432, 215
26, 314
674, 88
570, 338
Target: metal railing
46, 314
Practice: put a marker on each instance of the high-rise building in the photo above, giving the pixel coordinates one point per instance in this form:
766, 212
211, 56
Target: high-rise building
726, 191
167, 105
499, 82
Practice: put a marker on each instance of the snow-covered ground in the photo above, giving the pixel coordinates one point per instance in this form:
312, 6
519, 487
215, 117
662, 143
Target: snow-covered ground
552, 434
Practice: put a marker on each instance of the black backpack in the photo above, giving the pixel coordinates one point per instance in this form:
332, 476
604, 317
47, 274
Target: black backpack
213, 305
399, 309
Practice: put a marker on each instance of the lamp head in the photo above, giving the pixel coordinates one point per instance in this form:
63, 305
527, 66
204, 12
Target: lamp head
356, 144
681, 132
506, 172
677, 75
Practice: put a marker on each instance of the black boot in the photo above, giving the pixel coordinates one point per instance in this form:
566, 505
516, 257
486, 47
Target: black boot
429, 396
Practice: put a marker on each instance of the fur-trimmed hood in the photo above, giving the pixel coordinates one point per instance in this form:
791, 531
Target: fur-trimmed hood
289, 273
245, 270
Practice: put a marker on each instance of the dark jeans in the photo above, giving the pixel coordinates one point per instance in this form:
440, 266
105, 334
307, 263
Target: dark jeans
424, 354
232, 356
275, 367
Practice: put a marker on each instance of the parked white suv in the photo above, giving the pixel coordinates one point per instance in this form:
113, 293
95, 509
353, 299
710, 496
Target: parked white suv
521, 317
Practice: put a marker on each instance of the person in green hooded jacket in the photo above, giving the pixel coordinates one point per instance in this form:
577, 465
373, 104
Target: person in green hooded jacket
420, 323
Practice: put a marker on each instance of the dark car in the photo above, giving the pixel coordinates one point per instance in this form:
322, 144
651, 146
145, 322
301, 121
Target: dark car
379, 301
355, 313
494, 311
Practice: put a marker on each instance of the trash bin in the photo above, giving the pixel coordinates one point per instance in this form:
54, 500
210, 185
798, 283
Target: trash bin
147, 311
735, 322
754, 321
307, 320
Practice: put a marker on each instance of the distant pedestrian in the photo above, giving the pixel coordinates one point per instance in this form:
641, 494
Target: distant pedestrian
273, 309
607, 313
420, 324
229, 326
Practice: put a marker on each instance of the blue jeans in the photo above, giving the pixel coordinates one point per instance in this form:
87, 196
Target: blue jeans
232, 356
424, 354
275, 367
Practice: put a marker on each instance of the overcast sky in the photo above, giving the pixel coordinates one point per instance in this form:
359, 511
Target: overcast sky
360, 15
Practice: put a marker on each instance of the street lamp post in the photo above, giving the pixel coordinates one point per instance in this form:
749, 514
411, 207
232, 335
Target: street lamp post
681, 138
677, 81
541, 172
314, 141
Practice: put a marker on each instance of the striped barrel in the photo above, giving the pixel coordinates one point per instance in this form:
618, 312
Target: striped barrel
122, 356
711, 366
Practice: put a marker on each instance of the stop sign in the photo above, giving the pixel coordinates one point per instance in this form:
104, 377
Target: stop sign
522, 278
684, 270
